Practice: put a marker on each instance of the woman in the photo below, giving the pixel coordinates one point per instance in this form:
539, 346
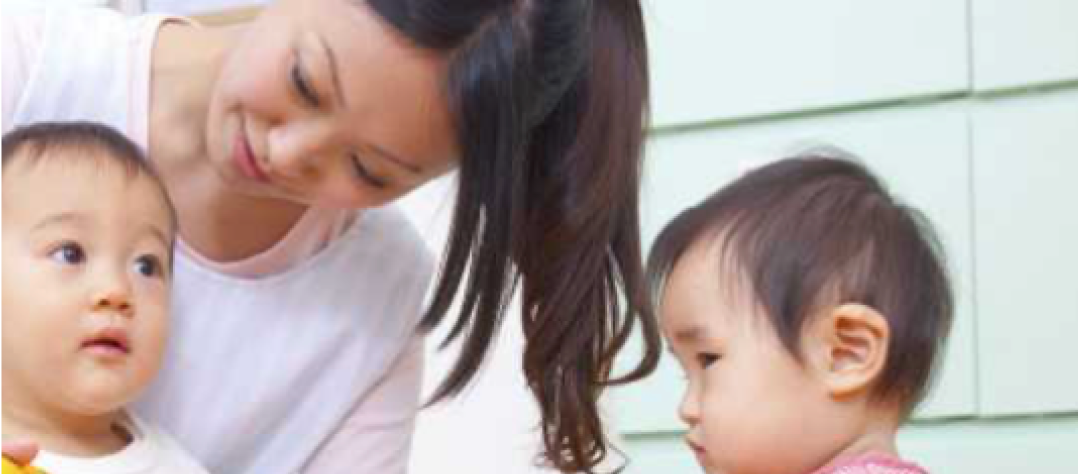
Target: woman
271, 136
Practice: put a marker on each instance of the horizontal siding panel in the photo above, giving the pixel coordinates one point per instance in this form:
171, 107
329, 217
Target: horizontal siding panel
718, 60
1021, 42
1025, 170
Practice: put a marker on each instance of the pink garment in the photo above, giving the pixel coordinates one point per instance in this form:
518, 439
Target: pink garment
872, 463
314, 230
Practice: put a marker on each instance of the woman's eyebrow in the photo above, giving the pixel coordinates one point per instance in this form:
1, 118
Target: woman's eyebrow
333, 74
414, 169
342, 101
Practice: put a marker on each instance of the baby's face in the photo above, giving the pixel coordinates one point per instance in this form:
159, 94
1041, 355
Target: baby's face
86, 250
749, 405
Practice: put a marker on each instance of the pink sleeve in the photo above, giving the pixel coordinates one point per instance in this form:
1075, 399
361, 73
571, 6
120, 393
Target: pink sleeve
377, 436
872, 463
22, 31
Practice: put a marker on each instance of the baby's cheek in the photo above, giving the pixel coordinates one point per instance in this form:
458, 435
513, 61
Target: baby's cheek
156, 341
741, 436
33, 364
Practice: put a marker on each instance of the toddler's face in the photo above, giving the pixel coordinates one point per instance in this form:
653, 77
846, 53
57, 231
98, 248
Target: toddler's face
86, 250
749, 405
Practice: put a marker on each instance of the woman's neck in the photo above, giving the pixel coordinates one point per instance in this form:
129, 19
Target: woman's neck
214, 220
186, 63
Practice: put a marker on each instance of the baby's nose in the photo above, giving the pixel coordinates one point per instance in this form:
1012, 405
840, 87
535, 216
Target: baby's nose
114, 298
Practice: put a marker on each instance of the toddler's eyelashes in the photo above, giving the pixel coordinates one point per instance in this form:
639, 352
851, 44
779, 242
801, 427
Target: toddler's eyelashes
705, 359
70, 253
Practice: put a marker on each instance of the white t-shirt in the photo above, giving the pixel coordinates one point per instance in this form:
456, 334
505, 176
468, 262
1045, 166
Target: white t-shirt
150, 451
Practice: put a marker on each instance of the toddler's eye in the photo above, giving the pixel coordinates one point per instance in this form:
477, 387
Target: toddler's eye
148, 265
705, 359
69, 253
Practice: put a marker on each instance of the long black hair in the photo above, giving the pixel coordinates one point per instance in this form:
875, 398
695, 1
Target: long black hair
549, 99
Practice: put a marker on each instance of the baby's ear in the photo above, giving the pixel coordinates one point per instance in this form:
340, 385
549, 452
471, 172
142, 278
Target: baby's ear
846, 348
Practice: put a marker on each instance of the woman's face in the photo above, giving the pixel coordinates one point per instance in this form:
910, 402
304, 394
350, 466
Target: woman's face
322, 103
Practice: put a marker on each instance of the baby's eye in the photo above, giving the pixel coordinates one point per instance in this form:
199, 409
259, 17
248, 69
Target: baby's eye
705, 359
148, 265
69, 253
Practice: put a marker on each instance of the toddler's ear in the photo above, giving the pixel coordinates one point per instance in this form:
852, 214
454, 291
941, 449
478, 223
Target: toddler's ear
847, 348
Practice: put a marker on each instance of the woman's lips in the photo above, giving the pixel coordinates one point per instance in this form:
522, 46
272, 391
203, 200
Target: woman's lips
245, 159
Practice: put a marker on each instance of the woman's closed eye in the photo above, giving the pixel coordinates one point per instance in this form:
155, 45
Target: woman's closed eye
364, 173
303, 85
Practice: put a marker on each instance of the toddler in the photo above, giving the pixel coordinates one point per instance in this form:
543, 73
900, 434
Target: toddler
87, 253
807, 308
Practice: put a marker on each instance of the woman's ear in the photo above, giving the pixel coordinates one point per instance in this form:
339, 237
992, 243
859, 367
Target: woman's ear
847, 348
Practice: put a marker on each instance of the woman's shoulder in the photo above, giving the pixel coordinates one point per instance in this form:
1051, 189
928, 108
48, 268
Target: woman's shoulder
388, 225
58, 18
73, 63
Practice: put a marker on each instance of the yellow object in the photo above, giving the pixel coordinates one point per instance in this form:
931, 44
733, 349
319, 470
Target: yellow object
12, 468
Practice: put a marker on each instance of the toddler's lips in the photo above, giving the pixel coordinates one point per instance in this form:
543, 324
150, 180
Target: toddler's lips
696, 448
109, 342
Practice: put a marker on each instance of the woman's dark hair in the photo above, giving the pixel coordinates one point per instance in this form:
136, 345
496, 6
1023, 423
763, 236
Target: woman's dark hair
39, 142
809, 233
550, 103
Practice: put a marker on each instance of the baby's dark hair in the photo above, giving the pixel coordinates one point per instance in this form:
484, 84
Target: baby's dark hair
39, 142
812, 232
